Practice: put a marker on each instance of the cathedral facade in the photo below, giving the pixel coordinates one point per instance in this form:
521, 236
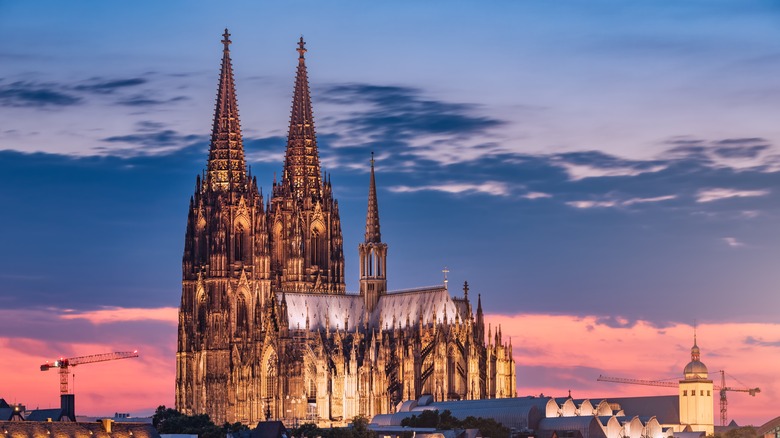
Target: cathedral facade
266, 327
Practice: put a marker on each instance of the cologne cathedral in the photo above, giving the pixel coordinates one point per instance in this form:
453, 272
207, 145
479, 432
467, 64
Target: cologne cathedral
266, 327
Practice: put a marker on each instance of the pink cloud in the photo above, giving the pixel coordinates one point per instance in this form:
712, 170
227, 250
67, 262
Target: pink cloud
121, 314
556, 353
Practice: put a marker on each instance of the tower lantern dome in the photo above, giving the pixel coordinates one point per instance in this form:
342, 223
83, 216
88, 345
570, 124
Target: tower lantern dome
695, 368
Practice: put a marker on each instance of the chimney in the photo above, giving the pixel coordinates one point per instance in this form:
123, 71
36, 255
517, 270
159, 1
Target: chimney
68, 406
107, 422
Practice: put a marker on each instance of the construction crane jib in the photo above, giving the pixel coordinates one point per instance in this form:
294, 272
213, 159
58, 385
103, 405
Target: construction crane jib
64, 364
722, 389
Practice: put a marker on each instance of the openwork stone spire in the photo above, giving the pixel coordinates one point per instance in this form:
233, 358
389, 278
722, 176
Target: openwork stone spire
226, 167
372, 217
302, 161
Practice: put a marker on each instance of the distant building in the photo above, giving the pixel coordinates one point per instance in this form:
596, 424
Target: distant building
688, 414
11, 412
266, 327
771, 429
695, 395
543, 417
49, 429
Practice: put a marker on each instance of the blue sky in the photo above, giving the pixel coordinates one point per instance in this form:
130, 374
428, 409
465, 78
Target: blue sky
618, 154
606, 158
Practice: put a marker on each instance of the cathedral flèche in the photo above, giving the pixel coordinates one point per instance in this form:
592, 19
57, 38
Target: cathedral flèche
266, 327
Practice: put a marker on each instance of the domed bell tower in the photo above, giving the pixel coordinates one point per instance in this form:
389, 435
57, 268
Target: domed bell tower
373, 253
696, 391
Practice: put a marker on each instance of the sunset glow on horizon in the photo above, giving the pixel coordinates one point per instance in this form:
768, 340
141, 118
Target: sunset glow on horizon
548, 362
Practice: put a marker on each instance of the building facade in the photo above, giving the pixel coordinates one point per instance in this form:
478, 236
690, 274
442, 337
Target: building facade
266, 327
695, 393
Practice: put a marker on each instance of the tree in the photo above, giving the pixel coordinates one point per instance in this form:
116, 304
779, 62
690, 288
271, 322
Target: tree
360, 427
167, 420
445, 420
307, 430
740, 432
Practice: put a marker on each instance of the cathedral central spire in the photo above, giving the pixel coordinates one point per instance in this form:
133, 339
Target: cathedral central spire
302, 161
226, 166
373, 235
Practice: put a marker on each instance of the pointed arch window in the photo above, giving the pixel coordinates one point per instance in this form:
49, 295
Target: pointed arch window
278, 242
202, 315
271, 381
239, 243
312, 389
241, 317
202, 245
315, 247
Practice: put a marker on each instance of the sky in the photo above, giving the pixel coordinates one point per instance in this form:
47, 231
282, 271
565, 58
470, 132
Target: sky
603, 173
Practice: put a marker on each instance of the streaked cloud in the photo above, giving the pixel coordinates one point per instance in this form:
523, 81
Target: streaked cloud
760, 341
409, 122
623, 203
141, 100
110, 315
491, 188
591, 204
31, 94
581, 171
733, 242
107, 86
537, 195
633, 201
717, 194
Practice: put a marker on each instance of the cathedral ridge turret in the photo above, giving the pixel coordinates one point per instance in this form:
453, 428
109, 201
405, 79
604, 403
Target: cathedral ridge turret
265, 321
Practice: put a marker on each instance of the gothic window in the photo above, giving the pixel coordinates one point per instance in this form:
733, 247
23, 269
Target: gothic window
278, 243
202, 245
239, 243
452, 373
370, 262
241, 316
315, 247
312, 383
270, 378
202, 315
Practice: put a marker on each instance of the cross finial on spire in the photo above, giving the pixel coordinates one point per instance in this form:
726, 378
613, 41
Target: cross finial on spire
226, 39
301, 48
372, 159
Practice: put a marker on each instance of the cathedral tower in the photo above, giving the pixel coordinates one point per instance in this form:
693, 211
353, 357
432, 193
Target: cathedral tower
306, 240
225, 267
373, 253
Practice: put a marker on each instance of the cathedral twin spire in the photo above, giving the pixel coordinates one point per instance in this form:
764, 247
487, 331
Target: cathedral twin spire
318, 249
302, 161
226, 166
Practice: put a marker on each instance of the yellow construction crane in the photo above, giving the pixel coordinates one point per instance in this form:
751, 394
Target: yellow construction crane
724, 403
